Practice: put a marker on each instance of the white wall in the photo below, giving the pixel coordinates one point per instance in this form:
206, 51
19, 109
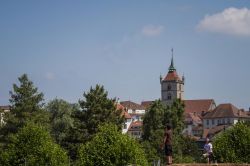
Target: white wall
209, 123
127, 124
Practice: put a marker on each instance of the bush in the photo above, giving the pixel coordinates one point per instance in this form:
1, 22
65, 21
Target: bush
32, 145
111, 148
233, 145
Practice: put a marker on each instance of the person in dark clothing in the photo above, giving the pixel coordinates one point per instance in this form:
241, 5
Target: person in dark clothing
167, 142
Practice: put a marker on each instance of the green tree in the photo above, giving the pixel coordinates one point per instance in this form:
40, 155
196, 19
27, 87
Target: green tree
185, 149
153, 130
60, 118
154, 123
110, 147
233, 145
176, 117
26, 105
97, 109
33, 145
154, 119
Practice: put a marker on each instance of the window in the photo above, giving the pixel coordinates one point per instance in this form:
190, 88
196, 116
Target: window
169, 87
212, 121
180, 87
125, 126
223, 121
218, 121
169, 96
228, 121
207, 122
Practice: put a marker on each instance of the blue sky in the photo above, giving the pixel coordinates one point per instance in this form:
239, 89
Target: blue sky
66, 47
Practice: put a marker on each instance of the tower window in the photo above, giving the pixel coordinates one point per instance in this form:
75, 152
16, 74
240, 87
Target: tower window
169, 97
169, 87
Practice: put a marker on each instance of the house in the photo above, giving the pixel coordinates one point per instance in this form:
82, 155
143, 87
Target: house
128, 121
224, 114
128, 118
135, 129
192, 123
211, 132
135, 110
3, 110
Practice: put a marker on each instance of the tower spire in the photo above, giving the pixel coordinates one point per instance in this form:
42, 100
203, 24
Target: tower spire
171, 67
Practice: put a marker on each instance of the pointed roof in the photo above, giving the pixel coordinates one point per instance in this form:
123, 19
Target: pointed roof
172, 74
171, 67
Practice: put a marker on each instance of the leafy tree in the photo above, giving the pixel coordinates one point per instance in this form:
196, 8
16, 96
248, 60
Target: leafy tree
32, 145
26, 105
153, 130
185, 149
233, 145
153, 119
110, 147
154, 123
176, 116
61, 118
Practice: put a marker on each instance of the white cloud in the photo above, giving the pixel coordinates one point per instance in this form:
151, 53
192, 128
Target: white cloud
50, 76
231, 21
152, 30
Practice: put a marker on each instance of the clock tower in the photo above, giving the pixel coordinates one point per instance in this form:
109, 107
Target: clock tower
172, 86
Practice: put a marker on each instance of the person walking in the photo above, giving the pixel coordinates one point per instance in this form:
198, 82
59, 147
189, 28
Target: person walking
167, 143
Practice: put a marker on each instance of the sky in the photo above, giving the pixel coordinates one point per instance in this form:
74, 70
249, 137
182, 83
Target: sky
66, 47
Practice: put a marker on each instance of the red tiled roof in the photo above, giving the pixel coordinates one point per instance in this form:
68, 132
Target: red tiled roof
172, 76
214, 130
198, 106
132, 105
119, 106
127, 115
146, 104
192, 117
226, 111
136, 125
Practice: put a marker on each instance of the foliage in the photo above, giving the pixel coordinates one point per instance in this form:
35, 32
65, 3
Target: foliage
97, 109
110, 147
153, 120
61, 118
154, 123
176, 116
153, 130
185, 149
32, 145
26, 105
233, 145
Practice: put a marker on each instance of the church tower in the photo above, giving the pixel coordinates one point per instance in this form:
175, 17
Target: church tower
172, 87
